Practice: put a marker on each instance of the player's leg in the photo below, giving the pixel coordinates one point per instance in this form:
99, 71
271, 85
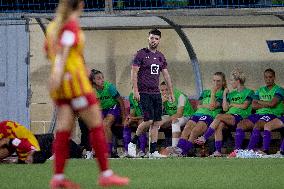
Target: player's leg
259, 125
64, 125
157, 122
108, 121
142, 142
127, 135
209, 132
242, 126
184, 144
84, 135
148, 115
93, 118
176, 129
200, 129
218, 140
227, 118
268, 127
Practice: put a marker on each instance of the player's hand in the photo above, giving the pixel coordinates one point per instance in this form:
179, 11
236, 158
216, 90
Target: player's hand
214, 90
136, 96
172, 98
211, 106
164, 98
54, 80
226, 91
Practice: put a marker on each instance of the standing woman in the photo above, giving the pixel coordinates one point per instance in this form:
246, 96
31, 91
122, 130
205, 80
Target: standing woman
72, 93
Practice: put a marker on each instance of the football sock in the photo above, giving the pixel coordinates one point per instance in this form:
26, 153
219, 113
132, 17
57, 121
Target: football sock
254, 139
99, 144
61, 150
239, 138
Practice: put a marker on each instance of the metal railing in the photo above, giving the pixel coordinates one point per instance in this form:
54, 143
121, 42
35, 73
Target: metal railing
48, 6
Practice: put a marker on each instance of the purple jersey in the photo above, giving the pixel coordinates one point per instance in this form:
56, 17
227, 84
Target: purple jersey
150, 65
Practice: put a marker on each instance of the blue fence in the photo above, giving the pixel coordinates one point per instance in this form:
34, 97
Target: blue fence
99, 5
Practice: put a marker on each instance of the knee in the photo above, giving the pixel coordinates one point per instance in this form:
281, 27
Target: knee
267, 127
187, 128
176, 127
149, 122
219, 117
219, 129
257, 126
240, 126
195, 130
108, 123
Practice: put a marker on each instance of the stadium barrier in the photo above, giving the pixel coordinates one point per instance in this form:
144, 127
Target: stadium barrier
47, 6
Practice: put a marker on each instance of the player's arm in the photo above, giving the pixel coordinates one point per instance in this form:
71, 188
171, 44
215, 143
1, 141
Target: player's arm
122, 107
168, 80
180, 107
225, 102
243, 106
213, 101
133, 117
67, 40
256, 105
278, 97
134, 79
200, 104
115, 94
255, 102
269, 104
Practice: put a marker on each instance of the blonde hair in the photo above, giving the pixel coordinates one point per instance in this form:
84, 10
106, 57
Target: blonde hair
222, 75
237, 74
63, 11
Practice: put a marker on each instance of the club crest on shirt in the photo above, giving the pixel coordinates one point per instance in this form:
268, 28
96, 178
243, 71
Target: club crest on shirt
155, 69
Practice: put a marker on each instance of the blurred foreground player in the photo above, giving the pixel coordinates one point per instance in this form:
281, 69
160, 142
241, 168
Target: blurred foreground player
72, 93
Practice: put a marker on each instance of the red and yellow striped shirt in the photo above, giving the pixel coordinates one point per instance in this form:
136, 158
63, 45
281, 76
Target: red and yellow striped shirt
75, 81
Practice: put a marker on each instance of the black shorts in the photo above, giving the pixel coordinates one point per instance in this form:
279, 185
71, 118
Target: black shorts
151, 105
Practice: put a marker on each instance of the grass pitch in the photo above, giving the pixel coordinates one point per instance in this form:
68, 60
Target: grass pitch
179, 173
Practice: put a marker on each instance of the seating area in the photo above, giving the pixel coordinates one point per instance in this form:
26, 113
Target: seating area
208, 148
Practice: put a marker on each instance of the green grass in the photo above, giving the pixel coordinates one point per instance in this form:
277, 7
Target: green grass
181, 173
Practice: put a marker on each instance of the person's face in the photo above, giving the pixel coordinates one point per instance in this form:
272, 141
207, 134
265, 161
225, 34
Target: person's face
164, 90
269, 79
218, 81
234, 83
99, 80
154, 41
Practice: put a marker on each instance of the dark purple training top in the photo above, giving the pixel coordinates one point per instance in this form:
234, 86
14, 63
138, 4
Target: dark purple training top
150, 66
